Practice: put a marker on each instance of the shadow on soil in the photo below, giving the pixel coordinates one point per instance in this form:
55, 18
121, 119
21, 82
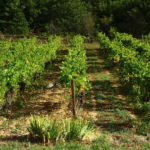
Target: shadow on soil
22, 138
104, 94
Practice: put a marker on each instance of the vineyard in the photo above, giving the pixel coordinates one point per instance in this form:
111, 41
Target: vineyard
132, 58
59, 94
21, 61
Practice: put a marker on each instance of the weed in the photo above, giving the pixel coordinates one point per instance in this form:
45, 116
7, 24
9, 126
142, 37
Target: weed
125, 139
100, 96
38, 128
147, 146
144, 108
65, 130
76, 129
101, 143
112, 98
71, 146
104, 77
54, 131
144, 128
122, 114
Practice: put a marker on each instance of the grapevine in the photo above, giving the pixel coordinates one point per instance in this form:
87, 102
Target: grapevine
21, 60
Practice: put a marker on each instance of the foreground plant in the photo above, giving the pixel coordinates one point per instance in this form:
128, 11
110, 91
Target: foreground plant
53, 131
76, 129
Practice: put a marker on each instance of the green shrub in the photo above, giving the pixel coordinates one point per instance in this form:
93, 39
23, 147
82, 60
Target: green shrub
145, 107
65, 130
131, 57
44, 130
74, 67
76, 129
54, 131
38, 128
21, 62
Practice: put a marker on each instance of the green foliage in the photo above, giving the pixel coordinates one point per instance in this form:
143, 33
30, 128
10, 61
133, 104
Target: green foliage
68, 15
76, 130
126, 15
104, 42
76, 16
74, 66
44, 130
143, 107
51, 16
128, 41
146, 38
38, 128
66, 130
12, 17
71, 146
144, 127
101, 143
122, 114
146, 146
21, 60
131, 57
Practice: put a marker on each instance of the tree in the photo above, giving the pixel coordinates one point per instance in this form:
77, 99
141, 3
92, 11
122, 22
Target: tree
68, 14
12, 18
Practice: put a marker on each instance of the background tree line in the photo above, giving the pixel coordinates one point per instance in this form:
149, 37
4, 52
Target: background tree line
75, 16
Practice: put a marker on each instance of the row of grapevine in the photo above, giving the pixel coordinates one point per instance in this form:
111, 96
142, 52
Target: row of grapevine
132, 62
73, 69
128, 41
21, 60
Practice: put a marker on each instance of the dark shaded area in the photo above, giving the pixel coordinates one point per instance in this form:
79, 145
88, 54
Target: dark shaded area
94, 69
74, 16
53, 69
114, 127
22, 138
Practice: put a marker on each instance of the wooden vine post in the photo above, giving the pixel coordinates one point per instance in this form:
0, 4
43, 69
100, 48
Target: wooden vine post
73, 98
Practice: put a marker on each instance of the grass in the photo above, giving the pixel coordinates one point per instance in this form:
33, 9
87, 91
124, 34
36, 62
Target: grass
22, 146
101, 143
46, 131
147, 146
104, 77
144, 127
122, 114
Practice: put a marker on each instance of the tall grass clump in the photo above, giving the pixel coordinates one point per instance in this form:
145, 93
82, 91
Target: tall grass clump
44, 130
76, 130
